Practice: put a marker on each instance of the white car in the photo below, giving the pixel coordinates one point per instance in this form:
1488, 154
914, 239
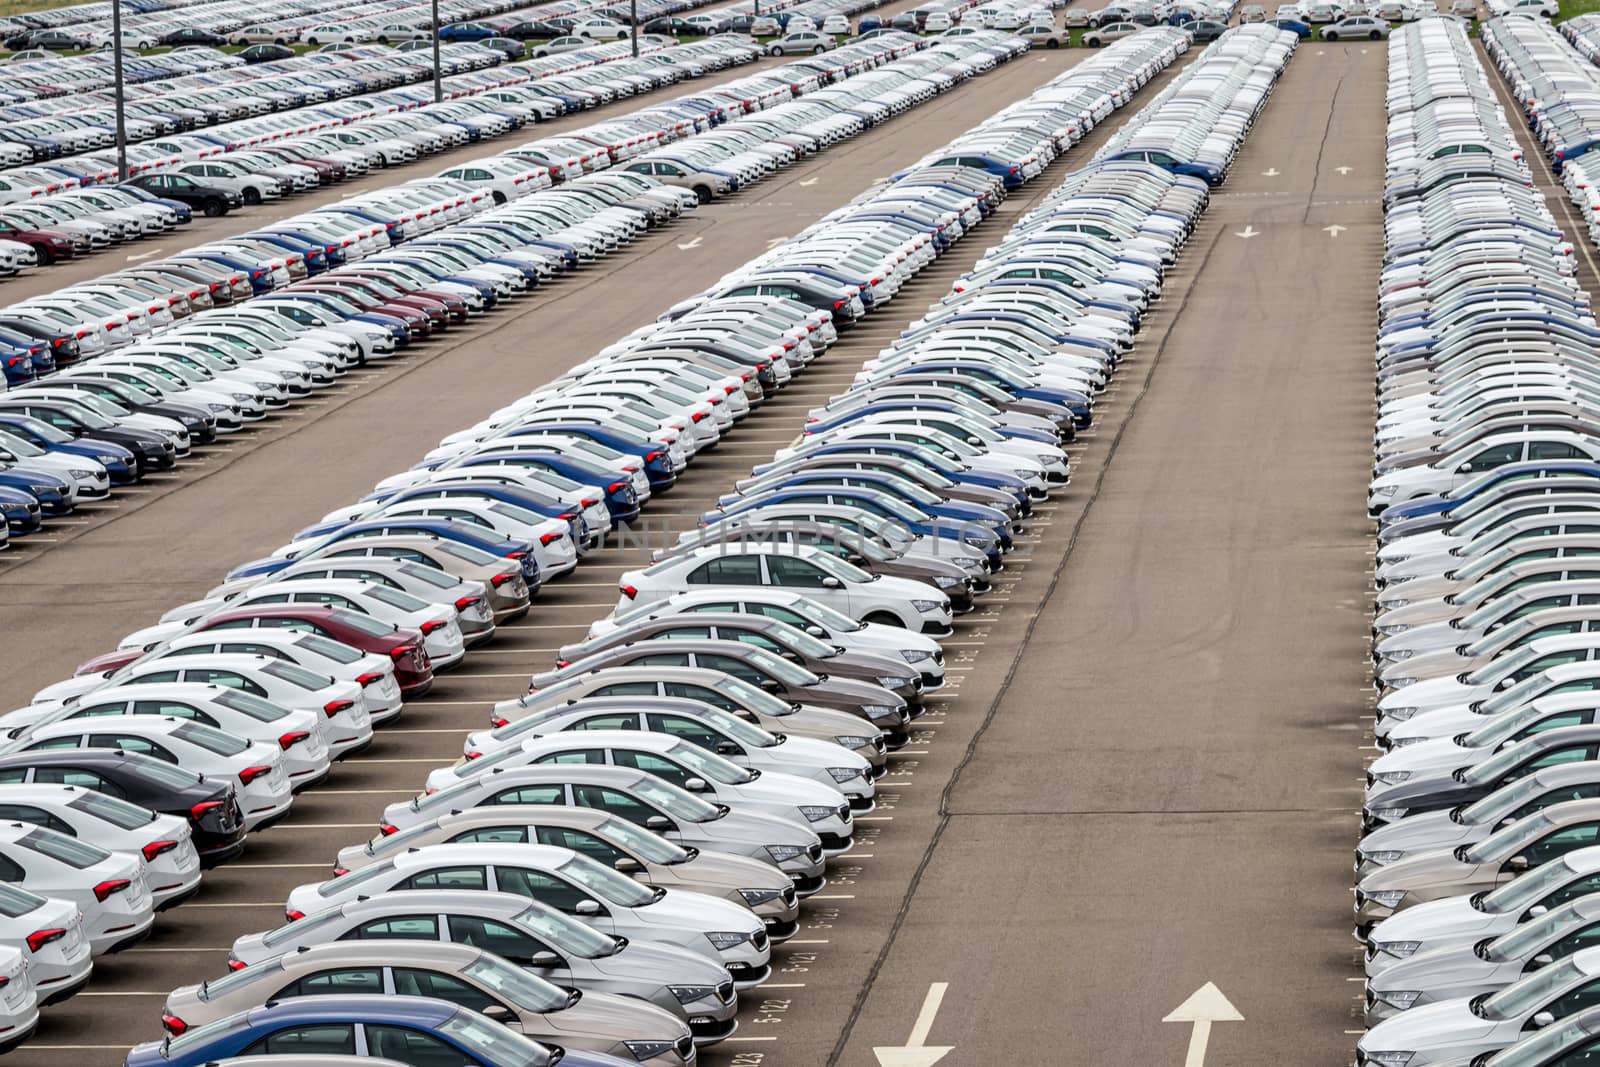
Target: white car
798, 610
258, 767
571, 883
107, 887
820, 807
601, 30
172, 865
730, 737
836, 24
156, 688
51, 931
19, 1000
823, 577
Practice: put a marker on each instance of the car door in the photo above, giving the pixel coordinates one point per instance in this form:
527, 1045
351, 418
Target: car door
556, 892
791, 572
508, 943
414, 1047
696, 733
311, 1039
332, 982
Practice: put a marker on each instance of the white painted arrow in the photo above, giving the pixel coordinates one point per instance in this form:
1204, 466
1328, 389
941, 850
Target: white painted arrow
692, 244
1270, 172
914, 1053
1248, 232
1205, 1006
809, 181
1344, 170
1334, 230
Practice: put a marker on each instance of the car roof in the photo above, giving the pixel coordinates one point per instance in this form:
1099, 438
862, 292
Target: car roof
354, 1007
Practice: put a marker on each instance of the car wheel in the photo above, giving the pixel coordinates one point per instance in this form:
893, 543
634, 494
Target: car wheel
702, 193
213, 207
280, 40
883, 618
42, 254
1374, 35
252, 197
817, 51
777, 50
1326, 36
383, 38
499, 198
1053, 43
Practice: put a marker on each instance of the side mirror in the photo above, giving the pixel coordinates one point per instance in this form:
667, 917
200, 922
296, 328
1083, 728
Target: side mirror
1517, 864
1538, 910
974, 440
587, 907
816, 631
1543, 959
627, 865
727, 748
1542, 1019
832, 583
544, 958
771, 685
498, 1012
695, 785
1504, 683
658, 823
1465, 468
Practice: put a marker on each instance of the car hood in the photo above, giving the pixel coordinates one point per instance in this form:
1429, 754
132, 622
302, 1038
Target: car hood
1429, 830
721, 870
608, 1016
1424, 870
749, 830
777, 789
1430, 1026
1457, 966
1438, 923
683, 909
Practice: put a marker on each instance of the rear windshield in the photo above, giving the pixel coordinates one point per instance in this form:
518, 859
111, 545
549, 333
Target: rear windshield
63, 849
118, 813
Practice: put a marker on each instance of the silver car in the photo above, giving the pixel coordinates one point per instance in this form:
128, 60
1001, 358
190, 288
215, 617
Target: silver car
559, 949
1487, 965
473, 978
604, 838
637, 796
606, 899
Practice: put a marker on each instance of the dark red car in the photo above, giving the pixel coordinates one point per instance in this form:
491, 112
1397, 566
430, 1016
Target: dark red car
412, 668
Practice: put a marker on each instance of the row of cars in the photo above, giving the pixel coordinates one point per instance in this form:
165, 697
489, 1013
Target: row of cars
248, 163
240, 328
1476, 882
216, 716
721, 769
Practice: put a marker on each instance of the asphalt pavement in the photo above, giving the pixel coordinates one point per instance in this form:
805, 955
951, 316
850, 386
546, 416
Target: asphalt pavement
1145, 773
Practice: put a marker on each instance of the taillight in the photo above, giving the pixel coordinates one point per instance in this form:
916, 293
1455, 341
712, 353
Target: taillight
616, 487
544, 539
697, 416
474, 755
370, 678
588, 503
501, 579
156, 848
175, 1026
106, 888
651, 457
340, 872
463, 603
497, 722
629, 591
294, 737
837, 304
400, 652
563, 663
334, 707
40, 938
386, 830
235, 965
250, 774
432, 626
292, 915
200, 810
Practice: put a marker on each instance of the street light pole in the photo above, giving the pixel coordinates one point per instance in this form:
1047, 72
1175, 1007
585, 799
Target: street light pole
119, 91
633, 17
438, 87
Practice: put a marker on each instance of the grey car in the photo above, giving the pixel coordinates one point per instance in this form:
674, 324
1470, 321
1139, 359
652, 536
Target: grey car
553, 946
470, 977
634, 795
615, 842
1487, 965
1526, 844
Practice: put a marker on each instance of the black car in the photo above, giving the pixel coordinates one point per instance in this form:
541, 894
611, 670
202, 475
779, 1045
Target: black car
213, 200
533, 30
266, 53
192, 36
673, 27
210, 804
151, 451
1205, 29
54, 40
201, 424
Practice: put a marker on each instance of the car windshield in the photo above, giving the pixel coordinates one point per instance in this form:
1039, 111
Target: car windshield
1507, 841
340, 886
217, 987
118, 813
365, 623
606, 883
1501, 727
199, 1037
401, 840
574, 937
63, 849
492, 1042
1502, 802
703, 763
1503, 667
247, 704
1521, 892
826, 617
299, 676
736, 728
165, 774
838, 568
1516, 695
395, 598
429, 576
674, 801
212, 740
1543, 1048
779, 668
1527, 938
299, 928
750, 697
652, 847
1523, 997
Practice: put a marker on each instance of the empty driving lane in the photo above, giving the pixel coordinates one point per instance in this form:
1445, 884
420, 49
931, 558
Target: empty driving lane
170, 541
1166, 793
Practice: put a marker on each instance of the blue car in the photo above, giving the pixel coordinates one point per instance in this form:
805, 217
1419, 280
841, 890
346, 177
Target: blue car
926, 500
118, 461
548, 506
1442, 504
52, 493
658, 466
21, 512
620, 498
419, 1031
1080, 404
1300, 29
482, 539
856, 414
